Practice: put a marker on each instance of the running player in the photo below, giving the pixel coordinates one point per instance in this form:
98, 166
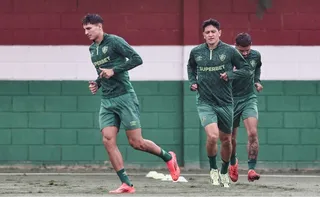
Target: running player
119, 103
246, 108
210, 73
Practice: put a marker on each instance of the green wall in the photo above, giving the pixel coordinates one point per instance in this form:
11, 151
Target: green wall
57, 123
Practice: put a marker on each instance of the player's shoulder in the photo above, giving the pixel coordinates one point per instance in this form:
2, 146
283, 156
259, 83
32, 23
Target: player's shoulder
198, 47
116, 38
226, 47
255, 53
92, 45
113, 36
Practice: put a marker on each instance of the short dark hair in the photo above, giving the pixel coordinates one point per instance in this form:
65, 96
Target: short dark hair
243, 39
92, 19
212, 22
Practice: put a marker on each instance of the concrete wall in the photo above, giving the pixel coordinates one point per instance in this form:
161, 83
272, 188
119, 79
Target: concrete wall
55, 122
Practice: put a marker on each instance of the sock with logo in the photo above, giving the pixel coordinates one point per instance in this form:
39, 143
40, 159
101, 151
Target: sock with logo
124, 177
233, 159
224, 167
213, 162
252, 164
165, 155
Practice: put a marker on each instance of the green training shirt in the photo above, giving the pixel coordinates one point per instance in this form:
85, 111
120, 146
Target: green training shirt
205, 67
114, 52
245, 86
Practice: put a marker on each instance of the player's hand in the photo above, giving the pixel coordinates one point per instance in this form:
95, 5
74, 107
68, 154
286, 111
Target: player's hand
258, 86
107, 73
93, 87
224, 76
194, 87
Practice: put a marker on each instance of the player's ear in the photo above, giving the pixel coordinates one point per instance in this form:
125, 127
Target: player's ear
219, 33
100, 26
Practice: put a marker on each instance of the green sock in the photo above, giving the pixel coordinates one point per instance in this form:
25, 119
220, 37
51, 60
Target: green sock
233, 159
165, 155
224, 167
252, 164
213, 162
124, 177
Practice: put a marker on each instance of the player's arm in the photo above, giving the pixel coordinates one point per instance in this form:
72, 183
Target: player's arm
98, 81
243, 69
257, 72
124, 49
192, 71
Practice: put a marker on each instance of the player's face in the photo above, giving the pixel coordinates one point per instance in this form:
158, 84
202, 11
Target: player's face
92, 30
245, 51
211, 34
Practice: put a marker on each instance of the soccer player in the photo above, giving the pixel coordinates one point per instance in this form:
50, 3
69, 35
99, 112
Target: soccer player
210, 73
112, 57
246, 108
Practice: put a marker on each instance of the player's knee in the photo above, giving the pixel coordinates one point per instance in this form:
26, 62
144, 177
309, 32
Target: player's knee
108, 141
226, 142
226, 138
234, 141
109, 137
234, 134
137, 144
212, 132
252, 132
212, 137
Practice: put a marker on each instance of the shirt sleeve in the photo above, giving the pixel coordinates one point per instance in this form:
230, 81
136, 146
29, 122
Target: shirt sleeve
243, 68
192, 69
257, 72
98, 81
124, 49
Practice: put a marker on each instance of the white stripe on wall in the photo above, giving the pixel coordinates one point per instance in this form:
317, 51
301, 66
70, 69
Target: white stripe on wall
161, 63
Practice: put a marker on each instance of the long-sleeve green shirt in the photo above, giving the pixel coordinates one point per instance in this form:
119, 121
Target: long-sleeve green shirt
245, 86
114, 53
205, 67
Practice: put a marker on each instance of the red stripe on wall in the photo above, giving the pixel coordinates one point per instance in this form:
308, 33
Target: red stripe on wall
155, 22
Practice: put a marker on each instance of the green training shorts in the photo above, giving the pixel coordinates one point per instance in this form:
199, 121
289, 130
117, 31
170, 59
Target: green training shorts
222, 115
245, 108
121, 109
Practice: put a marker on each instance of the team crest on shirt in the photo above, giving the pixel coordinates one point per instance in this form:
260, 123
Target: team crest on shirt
222, 57
92, 53
253, 63
104, 49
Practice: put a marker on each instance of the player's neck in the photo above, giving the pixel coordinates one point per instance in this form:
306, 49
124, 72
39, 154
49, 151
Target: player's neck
99, 39
213, 46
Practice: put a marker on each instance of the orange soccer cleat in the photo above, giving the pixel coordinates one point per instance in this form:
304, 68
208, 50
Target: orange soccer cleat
173, 167
124, 188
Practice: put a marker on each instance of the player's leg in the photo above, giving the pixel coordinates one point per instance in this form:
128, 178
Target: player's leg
234, 159
225, 121
128, 109
109, 125
208, 120
250, 119
233, 169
